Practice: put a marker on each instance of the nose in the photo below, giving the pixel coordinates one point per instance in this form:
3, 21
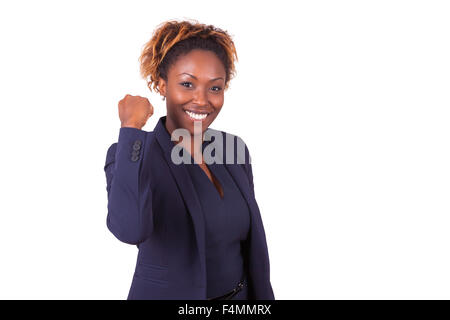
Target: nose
200, 97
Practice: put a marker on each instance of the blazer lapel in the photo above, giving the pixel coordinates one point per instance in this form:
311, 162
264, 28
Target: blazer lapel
258, 254
187, 191
256, 251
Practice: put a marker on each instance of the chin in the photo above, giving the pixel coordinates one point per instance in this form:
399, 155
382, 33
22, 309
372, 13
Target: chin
190, 128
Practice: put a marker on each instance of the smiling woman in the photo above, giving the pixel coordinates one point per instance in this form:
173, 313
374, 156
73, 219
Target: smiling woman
195, 93
197, 226
191, 64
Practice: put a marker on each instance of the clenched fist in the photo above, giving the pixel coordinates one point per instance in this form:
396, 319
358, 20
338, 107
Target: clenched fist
134, 111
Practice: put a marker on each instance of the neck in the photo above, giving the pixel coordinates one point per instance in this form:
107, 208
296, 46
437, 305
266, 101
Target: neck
192, 145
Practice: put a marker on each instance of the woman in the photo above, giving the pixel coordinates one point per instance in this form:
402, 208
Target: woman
197, 225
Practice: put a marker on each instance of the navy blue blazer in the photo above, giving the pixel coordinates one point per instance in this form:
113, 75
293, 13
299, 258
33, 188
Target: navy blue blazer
153, 204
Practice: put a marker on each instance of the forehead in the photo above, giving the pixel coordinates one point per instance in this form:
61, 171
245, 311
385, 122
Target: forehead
200, 63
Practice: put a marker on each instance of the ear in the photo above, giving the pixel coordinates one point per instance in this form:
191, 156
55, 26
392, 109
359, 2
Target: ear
162, 87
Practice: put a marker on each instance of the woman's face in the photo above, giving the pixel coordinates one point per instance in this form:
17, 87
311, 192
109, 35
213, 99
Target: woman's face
196, 84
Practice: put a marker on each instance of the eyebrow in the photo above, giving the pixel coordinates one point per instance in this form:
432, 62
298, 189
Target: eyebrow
196, 77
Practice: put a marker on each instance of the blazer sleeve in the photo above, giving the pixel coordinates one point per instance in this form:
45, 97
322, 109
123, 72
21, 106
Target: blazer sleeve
130, 216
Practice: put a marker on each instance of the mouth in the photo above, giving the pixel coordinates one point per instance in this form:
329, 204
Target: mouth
198, 116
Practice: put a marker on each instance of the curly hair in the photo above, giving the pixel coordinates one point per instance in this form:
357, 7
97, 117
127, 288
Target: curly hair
173, 38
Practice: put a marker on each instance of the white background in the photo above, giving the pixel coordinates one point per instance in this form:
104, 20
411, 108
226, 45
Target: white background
344, 106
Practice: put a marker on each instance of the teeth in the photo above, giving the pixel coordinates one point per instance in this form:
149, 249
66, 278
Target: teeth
197, 116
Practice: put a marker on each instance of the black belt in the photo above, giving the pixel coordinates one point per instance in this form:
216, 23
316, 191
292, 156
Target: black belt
232, 293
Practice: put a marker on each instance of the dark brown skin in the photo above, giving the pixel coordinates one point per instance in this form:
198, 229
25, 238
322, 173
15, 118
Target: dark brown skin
184, 92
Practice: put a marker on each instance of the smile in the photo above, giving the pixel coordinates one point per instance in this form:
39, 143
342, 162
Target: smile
196, 116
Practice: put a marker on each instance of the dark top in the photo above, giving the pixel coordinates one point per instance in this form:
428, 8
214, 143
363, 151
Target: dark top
227, 222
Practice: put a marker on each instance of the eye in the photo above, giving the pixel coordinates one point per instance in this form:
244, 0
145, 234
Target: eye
185, 82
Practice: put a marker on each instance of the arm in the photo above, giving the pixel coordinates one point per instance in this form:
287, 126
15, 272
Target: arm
130, 216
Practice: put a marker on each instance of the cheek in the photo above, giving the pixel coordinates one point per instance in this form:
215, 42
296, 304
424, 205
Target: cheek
217, 101
178, 95
179, 99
